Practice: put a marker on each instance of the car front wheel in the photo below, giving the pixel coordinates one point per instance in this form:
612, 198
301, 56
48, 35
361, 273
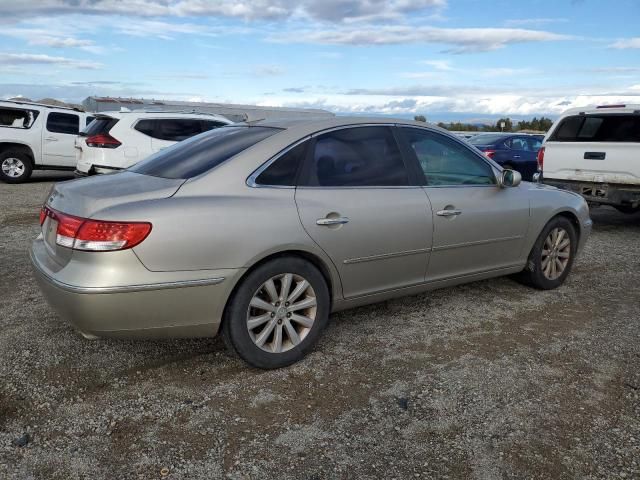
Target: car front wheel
552, 255
277, 313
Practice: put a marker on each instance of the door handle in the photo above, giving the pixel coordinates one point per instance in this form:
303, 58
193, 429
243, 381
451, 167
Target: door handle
51, 139
448, 213
332, 221
595, 155
516, 156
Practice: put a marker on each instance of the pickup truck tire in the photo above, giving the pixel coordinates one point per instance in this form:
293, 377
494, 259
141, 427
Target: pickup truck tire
627, 209
15, 166
552, 255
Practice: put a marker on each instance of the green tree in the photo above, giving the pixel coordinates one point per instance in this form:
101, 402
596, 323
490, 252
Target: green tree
420, 118
508, 125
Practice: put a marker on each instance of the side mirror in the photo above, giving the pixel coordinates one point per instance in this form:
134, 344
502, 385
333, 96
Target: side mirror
510, 178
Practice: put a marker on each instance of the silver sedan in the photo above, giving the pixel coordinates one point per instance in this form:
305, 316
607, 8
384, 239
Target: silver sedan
261, 230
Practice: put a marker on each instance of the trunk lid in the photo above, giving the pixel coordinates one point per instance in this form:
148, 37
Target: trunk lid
86, 197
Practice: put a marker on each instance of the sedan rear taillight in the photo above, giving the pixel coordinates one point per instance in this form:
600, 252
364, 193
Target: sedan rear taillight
489, 153
95, 235
102, 140
540, 158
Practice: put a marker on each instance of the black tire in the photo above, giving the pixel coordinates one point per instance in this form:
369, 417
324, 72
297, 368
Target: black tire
24, 161
533, 274
628, 209
234, 325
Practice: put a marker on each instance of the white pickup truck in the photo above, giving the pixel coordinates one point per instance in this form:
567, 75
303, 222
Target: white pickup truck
37, 137
595, 151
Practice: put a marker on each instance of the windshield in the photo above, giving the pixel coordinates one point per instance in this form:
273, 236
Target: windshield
199, 154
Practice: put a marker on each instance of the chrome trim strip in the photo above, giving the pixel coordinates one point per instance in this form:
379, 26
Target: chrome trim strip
478, 242
126, 288
384, 256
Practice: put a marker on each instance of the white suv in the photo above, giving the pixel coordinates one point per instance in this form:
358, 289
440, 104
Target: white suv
34, 136
117, 140
595, 151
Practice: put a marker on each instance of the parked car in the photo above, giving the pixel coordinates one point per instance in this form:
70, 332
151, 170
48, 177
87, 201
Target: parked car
595, 152
117, 140
512, 151
35, 136
261, 230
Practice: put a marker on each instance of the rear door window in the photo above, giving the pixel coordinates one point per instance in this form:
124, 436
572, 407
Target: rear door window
202, 153
356, 157
517, 143
66, 123
177, 129
598, 128
284, 170
146, 127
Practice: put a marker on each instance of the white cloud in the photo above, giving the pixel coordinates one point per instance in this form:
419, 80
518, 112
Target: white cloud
626, 43
328, 10
442, 65
159, 29
268, 70
39, 59
462, 40
533, 22
52, 37
614, 70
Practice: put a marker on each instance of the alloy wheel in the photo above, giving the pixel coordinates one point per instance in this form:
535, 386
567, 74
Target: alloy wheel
13, 167
281, 313
556, 252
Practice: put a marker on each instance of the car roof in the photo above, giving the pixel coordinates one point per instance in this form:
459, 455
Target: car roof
600, 109
314, 124
161, 114
14, 103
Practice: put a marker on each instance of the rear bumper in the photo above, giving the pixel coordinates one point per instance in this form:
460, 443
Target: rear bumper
600, 193
157, 309
96, 170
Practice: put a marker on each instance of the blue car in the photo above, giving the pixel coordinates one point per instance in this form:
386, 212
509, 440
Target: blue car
511, 150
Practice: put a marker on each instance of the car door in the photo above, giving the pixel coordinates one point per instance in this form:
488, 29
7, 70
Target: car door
478, 226
359, 202
58, 139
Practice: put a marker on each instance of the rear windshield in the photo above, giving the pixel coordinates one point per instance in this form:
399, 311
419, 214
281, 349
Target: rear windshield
203, 152
598, 128
99, 126
484, 139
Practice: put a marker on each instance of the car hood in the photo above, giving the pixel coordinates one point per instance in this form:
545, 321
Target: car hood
85, 197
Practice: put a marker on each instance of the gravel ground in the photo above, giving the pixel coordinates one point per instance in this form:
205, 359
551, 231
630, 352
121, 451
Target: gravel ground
488, 380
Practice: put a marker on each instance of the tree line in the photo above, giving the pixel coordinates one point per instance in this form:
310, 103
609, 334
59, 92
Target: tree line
541, 124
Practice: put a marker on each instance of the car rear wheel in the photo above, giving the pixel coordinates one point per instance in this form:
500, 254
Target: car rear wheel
552, 256
15, 166
277, 313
